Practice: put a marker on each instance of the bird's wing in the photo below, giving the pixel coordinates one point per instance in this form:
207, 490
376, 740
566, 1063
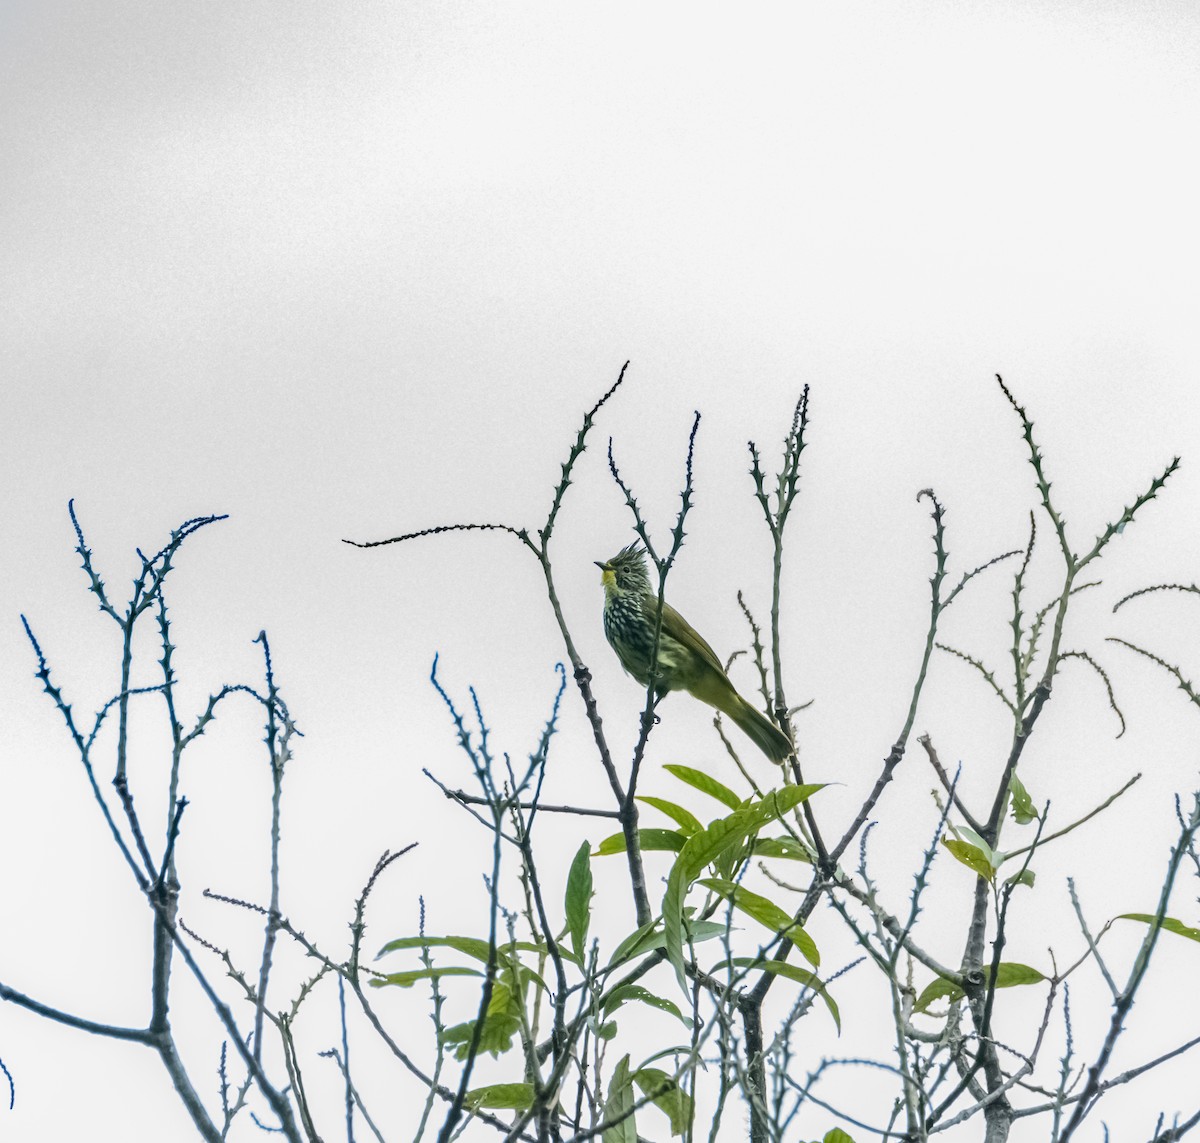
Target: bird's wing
682, 631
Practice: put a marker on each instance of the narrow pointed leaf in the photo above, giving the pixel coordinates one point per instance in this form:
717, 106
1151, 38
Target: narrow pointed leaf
638, 942
501, 1097
785, 847
618, 1107
1009, 975
476, 949
649, 839
767, 914
688, 822
1022, 804
650, 937
666, 1094
799, 975
470, 946
701, 849
501, 1023
937, 989
578, 902
708, 846
1170, 924
408, 979
970, 856
705, 783
671, 1051
495, 1039
969, 835
627, 992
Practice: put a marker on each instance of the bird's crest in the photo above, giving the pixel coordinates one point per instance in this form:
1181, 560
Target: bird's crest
634, 554
629, 565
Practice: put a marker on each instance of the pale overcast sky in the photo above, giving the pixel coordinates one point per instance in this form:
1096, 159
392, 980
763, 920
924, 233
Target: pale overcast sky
349, 270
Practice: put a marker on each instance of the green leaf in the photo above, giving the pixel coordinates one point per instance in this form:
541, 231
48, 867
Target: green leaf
688, 823
527, 975
470, 946
787, 847
799, 975
938, 988
501, 1097
1025, 877
775, 803
671, 1051
971, 836
705, 783
1169, 923
408, 979
640, 941
495, 1039
666, 1094
650, 937
971, 856
620, 1103
701, 849
477, 949
1009, 975
707, 847
524, 946
626, 992
648, 839
578, 903
501, 1023
1022, 803
837, 1135
767, 914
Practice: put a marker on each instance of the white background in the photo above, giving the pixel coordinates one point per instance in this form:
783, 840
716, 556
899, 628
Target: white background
351, 270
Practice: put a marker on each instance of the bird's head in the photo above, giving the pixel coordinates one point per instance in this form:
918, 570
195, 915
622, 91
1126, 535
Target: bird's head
625, 572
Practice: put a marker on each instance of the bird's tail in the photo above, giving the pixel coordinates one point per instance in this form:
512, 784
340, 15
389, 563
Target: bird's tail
760, 730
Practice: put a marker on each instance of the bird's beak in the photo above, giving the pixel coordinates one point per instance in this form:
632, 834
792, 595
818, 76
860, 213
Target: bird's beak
608, 576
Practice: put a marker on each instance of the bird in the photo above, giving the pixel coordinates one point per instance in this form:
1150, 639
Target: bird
685, 661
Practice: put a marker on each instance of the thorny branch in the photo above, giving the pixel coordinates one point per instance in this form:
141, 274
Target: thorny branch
559, 991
